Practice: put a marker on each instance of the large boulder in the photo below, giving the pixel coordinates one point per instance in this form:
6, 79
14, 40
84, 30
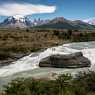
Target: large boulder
75, 60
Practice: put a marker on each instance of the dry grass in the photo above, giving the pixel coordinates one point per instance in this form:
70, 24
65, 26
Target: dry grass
22, 41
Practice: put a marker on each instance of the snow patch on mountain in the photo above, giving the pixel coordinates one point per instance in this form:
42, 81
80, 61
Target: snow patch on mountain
90, 21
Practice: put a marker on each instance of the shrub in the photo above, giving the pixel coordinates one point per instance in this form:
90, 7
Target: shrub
82, 84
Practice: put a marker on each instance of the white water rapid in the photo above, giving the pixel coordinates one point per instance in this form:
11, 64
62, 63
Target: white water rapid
31, 62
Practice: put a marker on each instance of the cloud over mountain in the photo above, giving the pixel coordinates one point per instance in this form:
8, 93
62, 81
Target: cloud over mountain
24, 9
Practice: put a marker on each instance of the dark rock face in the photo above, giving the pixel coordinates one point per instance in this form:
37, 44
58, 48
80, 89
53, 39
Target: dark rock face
75, 60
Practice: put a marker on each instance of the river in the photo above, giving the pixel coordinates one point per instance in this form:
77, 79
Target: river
28, 65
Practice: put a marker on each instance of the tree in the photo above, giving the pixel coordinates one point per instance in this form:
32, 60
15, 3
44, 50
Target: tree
70, 33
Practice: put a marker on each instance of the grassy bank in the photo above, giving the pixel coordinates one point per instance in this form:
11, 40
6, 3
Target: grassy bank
82, 84
24, 41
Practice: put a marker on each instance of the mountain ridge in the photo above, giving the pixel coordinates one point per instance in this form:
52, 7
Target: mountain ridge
62, 23
56, 23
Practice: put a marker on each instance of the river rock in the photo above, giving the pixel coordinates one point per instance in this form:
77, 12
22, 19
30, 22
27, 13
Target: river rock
75, 60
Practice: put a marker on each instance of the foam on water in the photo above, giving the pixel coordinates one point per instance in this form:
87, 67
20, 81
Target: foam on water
90, 54
31, 62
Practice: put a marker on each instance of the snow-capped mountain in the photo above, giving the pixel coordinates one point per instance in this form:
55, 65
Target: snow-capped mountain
58, 22
15, 21
22, 22
90, 21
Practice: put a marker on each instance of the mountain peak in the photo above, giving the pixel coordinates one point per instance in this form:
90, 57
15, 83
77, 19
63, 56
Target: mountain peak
18, 17
59, 18
16, 21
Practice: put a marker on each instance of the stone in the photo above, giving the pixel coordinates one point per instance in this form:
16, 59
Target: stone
74, 60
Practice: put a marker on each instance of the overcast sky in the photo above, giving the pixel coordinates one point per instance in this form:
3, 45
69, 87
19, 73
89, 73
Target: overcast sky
47, 9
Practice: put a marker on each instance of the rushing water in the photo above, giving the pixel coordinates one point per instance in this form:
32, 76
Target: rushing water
28, 66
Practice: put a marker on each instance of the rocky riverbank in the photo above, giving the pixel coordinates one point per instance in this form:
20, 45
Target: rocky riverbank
12, 58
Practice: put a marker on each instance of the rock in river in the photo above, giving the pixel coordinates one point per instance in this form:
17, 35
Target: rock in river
75, 60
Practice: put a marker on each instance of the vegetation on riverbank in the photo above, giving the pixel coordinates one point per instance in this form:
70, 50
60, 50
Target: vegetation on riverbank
75, 35
82, 84
24, 41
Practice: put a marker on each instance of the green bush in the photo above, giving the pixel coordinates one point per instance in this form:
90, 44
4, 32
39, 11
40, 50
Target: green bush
82, 84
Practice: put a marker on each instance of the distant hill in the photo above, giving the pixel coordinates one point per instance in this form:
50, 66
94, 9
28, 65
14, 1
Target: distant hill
62, 23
